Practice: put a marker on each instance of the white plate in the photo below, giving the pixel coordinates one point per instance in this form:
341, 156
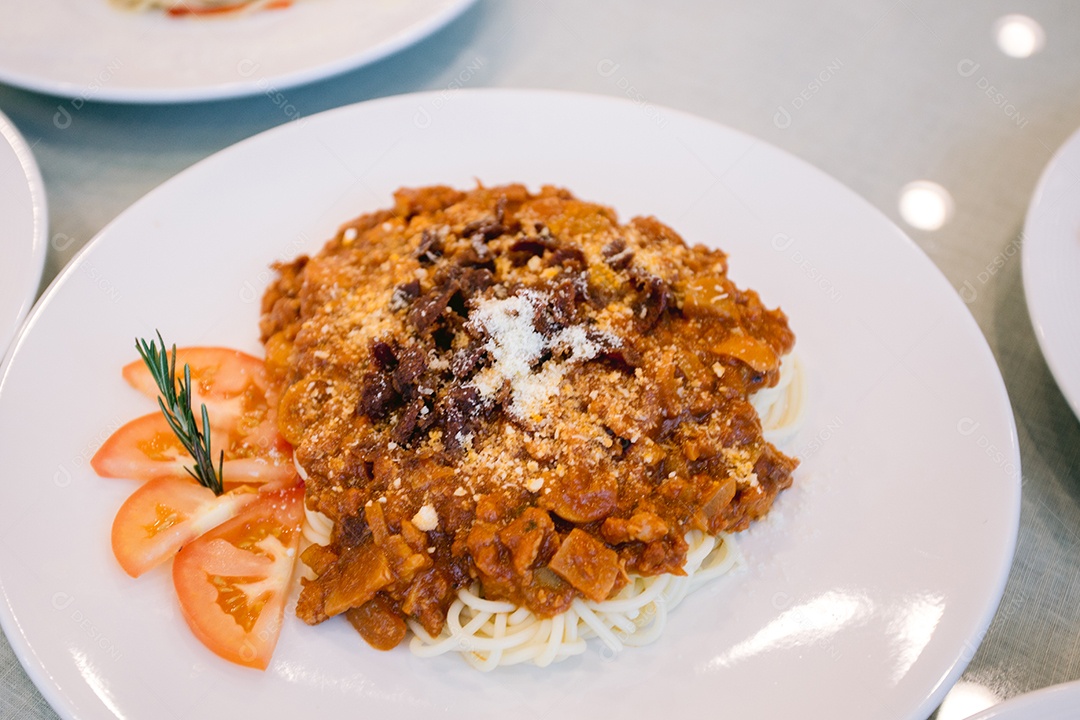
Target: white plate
1051, 258
89, 50
23, 230
1059, 702
869, 587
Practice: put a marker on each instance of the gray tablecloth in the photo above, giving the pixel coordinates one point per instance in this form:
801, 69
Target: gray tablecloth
876, 93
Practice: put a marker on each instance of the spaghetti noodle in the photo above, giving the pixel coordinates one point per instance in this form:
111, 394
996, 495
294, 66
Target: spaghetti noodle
782, 407
493, 634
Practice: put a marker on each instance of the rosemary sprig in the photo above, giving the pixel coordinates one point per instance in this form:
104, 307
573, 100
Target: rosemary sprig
176, 407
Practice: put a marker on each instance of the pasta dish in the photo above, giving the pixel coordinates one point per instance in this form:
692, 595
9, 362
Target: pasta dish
521, 423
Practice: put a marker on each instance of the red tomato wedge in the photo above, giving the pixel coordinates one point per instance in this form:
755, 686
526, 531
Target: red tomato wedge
147, 449
232, 582
165, 514
224, 9
231, 383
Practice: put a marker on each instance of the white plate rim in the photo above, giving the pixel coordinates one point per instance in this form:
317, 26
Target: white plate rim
979, 624
107, 92
1056, 701
1042, 291
39, 241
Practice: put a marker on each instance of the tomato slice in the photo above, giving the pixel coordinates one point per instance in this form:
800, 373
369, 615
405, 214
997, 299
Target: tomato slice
147, 449
165, 514
233, 386
232, 582
223, 9
231, 383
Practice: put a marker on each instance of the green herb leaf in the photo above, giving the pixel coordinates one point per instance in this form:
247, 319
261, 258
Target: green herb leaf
175, 403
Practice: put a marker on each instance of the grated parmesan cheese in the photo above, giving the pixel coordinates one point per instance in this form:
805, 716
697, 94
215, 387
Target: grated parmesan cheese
426, 519
515, 347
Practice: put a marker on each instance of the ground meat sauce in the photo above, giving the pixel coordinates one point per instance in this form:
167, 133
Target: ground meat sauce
512, 388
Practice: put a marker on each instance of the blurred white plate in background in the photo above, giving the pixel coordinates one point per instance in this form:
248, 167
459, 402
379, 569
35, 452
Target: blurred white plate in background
23, 230
1051, 258
91, 50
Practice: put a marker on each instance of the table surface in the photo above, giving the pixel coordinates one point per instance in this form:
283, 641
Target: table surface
877, 93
